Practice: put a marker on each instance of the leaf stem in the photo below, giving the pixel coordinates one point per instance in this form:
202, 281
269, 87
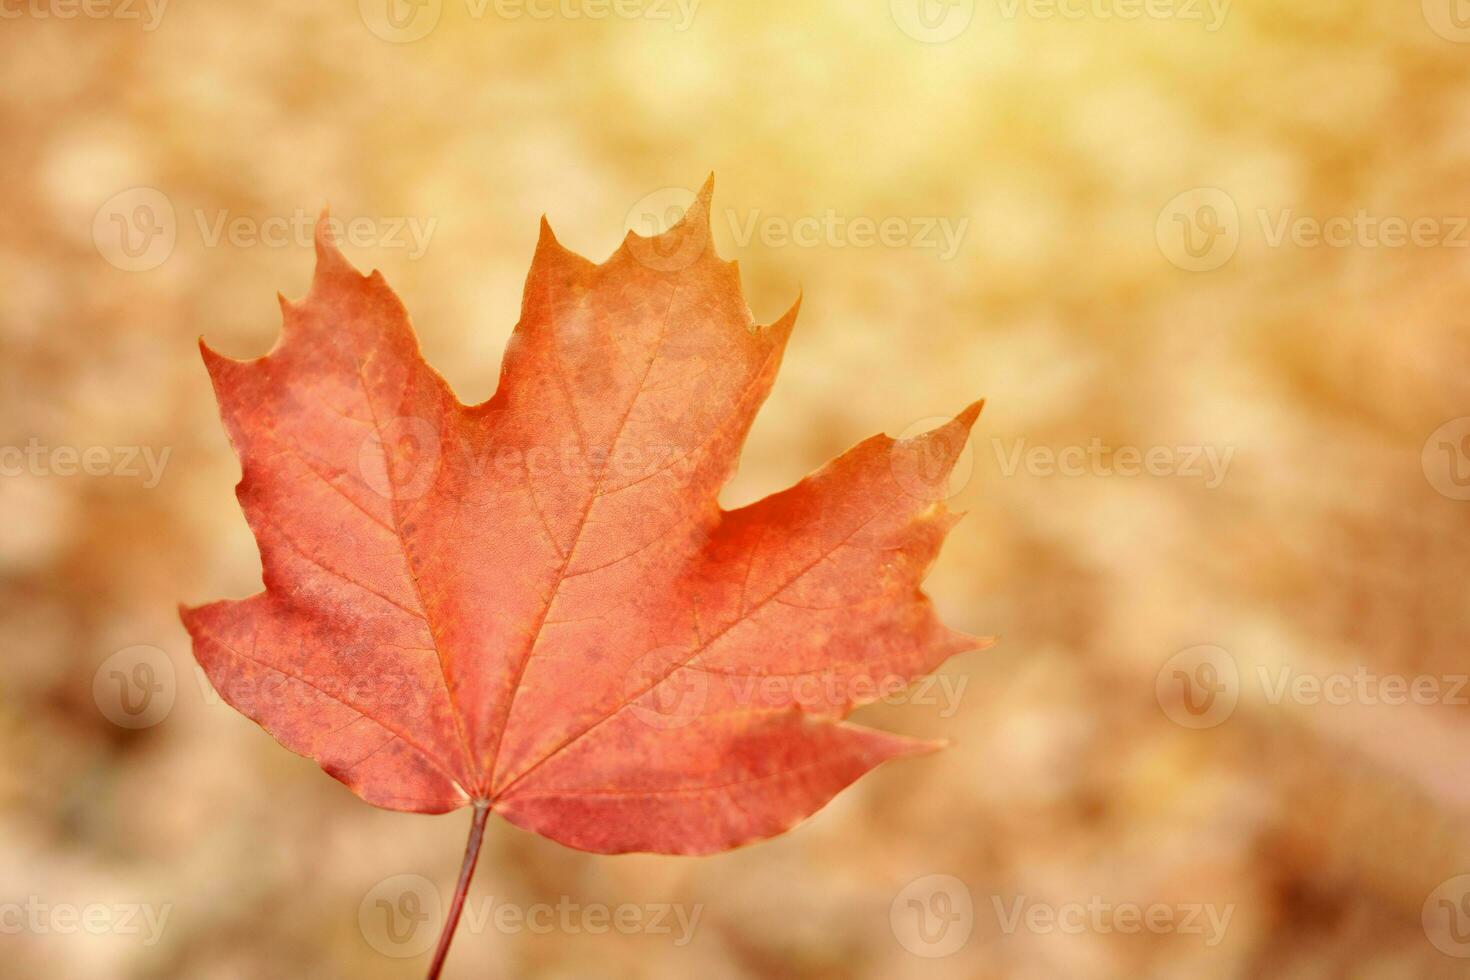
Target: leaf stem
466, 872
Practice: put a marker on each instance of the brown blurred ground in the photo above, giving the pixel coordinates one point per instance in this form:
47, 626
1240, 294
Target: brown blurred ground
1327, 547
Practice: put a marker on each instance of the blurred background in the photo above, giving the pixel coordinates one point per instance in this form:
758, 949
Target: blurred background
1206, 261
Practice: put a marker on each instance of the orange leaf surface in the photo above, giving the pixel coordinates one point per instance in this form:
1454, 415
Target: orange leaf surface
536, 604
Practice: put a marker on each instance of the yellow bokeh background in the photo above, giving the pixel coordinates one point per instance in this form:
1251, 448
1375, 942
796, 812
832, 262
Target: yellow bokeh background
1132, 189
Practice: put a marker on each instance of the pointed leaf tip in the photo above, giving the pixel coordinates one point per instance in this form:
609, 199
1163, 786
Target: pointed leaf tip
546, 241
329, 257
699, 209
780, 328
970, 414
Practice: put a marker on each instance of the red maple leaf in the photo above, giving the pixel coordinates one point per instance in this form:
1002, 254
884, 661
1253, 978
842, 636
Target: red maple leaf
535, 605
